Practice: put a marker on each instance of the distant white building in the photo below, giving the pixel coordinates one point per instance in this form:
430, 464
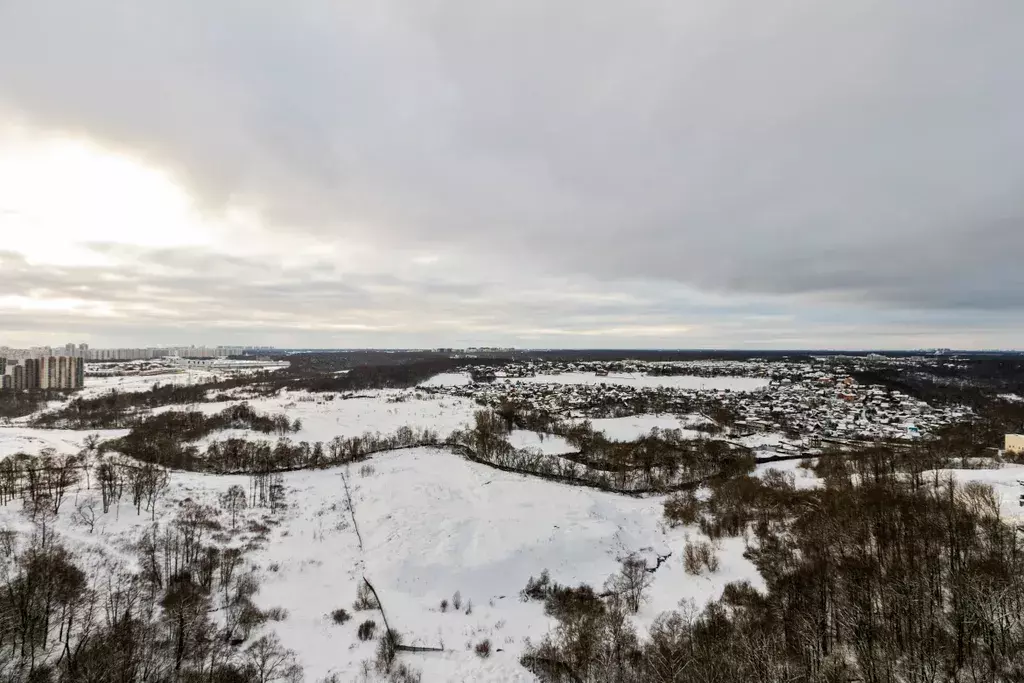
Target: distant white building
1014, 443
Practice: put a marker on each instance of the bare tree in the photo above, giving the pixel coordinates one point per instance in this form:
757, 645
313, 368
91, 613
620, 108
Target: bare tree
632, 581
234, 501
90, 447
85, 514
156, 485
272, 662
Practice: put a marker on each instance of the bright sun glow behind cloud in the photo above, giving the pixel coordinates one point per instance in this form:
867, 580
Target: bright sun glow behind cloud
58, 194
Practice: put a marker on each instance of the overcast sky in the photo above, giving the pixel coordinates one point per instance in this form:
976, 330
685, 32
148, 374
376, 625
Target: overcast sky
580, 173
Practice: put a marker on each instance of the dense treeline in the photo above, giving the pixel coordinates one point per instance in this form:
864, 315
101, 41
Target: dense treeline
20, 403
888, 573
334, 372
168, 440
662, 460
194, 425
241, 455
970, 381
118, 409
977, 437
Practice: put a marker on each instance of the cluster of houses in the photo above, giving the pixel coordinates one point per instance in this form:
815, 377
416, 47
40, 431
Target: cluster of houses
824, 405
812, 398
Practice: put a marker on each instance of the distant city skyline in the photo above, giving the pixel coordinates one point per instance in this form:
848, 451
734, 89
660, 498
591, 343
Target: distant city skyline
83, 351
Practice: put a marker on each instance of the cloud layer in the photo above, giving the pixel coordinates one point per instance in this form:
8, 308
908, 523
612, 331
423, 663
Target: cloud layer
650, 173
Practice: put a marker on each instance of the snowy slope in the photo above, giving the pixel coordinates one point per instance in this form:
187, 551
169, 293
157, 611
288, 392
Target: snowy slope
65, 441
433, 524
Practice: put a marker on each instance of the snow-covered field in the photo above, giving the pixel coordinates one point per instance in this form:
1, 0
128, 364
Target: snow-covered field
760, 440
32, 441
433, 524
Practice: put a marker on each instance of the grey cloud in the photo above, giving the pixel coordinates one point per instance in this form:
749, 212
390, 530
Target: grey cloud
386, 310
864, 154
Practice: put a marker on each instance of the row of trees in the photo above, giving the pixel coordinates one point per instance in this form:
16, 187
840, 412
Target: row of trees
20, 403
43, 482
118, 409
167, 440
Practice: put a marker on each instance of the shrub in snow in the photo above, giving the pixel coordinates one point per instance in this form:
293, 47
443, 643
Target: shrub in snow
403, 674
249, 617
682, 508
364, 599
340, 616
537, 589
276, 614
568, 604
699, 555
469, 607
387, 650
457, 600
444, 606
483, 649
367, 629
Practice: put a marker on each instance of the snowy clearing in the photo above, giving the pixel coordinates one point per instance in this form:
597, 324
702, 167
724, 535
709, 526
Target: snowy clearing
635, 426
547, 444
448, 379
802, 478
1004, 482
